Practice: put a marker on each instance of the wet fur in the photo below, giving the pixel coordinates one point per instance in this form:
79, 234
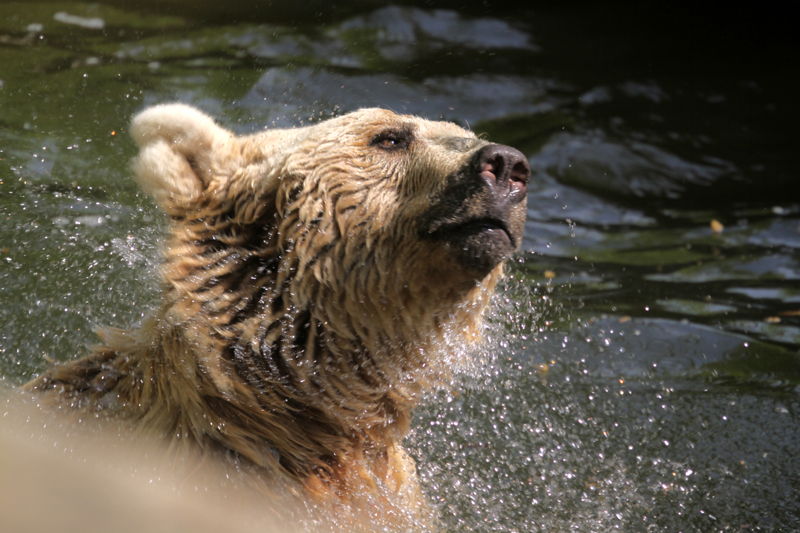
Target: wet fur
304, 311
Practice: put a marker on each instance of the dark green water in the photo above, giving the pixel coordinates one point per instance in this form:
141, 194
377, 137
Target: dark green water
671, 399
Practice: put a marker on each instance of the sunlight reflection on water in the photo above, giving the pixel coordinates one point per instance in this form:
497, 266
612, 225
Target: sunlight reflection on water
642, 372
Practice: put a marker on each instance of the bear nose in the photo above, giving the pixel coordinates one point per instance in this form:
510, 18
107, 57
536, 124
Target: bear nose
504, 169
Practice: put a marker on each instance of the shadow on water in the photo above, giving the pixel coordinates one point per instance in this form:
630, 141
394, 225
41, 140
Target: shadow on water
643, 368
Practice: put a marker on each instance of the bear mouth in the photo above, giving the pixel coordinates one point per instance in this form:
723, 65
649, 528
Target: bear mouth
492, 229
478, 244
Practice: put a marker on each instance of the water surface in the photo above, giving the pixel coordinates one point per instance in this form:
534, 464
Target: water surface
642, 370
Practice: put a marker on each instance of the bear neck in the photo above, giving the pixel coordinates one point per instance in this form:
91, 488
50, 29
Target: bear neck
343, 402
268, 356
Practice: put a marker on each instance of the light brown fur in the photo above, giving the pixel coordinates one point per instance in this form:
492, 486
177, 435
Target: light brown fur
305, 309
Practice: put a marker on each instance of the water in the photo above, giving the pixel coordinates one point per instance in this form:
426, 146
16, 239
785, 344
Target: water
643, 370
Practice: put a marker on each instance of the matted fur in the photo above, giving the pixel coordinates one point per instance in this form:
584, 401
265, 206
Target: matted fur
305, 303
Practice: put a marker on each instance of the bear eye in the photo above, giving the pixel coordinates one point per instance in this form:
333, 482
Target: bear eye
392, 140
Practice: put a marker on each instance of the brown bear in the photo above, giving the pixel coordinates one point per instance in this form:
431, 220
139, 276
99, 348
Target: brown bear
314, 283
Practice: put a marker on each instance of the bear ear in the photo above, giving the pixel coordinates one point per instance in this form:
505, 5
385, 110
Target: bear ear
176, 161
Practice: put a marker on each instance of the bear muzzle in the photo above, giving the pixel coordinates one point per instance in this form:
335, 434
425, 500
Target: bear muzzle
480, 214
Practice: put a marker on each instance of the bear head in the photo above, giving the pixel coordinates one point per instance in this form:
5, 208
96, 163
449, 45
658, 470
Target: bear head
326, 262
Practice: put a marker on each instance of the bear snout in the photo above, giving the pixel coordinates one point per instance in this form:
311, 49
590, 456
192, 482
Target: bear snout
479, 215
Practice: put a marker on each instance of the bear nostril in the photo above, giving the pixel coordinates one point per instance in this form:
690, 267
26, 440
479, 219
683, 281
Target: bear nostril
503, 168
521, 173
488, 172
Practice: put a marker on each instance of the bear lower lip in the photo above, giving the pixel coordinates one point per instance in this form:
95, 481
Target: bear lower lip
478, 245
493, 229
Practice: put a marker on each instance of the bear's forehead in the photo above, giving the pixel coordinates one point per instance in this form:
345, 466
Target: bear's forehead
374, 119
